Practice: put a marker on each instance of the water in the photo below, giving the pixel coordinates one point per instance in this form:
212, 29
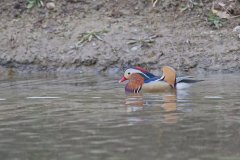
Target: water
89, 117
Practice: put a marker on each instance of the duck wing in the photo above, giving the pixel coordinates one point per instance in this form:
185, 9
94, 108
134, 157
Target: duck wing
155, 78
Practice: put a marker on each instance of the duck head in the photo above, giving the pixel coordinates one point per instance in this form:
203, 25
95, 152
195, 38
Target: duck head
141, 71
136, 80
136, 77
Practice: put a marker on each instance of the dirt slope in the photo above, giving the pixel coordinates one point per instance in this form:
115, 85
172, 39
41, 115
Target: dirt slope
130, 33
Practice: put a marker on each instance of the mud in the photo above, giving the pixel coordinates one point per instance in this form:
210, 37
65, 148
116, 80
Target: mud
137, 34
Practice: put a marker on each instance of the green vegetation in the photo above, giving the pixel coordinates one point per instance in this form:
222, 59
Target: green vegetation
33, 3
89, 36
214, 20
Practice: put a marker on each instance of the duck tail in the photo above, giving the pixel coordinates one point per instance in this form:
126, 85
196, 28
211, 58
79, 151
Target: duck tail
187, 79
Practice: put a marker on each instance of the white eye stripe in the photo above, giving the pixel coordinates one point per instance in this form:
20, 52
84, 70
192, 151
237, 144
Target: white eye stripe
131, 70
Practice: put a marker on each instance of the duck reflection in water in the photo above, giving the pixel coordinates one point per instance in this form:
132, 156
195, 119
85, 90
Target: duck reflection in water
137, 102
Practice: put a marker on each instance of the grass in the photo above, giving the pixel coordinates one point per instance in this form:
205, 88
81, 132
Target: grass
154, 2
214, 20
143, 42
33, 3
89, 36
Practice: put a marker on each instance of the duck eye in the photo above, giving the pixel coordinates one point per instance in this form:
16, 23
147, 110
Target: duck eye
128, 73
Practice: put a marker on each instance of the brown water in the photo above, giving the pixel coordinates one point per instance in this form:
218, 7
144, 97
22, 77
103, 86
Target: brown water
91, 118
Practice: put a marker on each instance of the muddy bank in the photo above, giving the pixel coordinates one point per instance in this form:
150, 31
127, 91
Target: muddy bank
119, 34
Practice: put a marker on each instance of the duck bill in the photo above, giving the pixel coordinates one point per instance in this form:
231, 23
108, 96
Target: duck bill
122, 79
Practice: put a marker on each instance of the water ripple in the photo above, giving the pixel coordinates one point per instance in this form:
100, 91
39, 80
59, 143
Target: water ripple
89, 117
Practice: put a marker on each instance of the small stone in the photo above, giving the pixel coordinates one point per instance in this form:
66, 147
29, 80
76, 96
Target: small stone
236, 29
44, 25
135, 48
50, 5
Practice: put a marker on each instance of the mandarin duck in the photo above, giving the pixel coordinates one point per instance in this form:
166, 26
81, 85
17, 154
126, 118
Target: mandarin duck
142, 80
